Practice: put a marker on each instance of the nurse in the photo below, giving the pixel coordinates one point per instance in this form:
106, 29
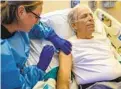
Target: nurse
18, 24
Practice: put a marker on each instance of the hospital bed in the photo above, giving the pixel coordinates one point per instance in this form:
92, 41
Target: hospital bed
112, 28
58, 21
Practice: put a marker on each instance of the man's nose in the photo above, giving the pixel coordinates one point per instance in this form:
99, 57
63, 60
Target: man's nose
90, 18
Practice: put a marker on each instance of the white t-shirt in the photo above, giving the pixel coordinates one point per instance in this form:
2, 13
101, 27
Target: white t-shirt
93, 60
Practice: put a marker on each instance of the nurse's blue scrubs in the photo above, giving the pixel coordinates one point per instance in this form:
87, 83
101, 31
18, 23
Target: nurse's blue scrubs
14, 53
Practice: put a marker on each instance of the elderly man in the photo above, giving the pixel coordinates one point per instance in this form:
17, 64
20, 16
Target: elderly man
93, 58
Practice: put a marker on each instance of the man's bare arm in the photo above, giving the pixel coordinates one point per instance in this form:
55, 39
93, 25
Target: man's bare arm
64, 72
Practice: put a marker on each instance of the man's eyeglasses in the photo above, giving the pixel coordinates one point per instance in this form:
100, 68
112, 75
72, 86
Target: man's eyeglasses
36, 16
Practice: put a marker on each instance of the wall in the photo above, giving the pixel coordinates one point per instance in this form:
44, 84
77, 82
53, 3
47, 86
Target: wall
52, 5
115, 11
84, 2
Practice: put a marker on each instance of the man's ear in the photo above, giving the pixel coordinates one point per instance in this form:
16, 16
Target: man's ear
74, 26
21, 11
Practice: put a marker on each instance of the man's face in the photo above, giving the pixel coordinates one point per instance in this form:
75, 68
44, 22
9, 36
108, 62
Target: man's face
84, 22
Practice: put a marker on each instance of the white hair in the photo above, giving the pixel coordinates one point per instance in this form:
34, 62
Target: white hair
73, 14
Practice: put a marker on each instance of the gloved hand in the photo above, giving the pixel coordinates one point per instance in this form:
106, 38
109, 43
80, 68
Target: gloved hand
45, 57
60, 43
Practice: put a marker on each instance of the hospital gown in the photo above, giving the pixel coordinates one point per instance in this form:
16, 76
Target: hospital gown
14, 54
93, 60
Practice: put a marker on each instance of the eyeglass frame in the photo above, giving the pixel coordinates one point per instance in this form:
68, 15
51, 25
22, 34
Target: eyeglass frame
38, 17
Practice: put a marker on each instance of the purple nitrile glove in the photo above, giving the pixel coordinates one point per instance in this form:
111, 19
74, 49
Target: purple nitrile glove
60, 43
45, 57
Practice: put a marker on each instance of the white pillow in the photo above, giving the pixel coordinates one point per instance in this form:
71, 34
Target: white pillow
58, 21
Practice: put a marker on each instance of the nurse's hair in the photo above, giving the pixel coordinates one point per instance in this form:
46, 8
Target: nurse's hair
73, 14
9, 8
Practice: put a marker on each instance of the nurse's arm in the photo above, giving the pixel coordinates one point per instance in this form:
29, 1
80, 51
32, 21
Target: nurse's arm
64, 72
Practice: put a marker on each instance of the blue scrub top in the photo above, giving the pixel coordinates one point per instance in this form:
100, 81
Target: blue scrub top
14, 54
